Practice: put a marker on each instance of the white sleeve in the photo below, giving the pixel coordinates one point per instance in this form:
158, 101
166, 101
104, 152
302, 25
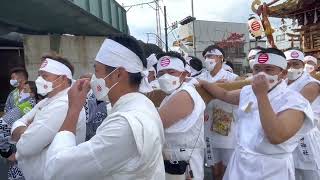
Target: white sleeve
104, 154
235, 76
41, 132
81, 127
232, 77
23, 121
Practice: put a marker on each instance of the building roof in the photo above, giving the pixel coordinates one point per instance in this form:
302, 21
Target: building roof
77, 17
290, 8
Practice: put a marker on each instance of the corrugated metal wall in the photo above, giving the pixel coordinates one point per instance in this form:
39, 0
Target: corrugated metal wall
107, 10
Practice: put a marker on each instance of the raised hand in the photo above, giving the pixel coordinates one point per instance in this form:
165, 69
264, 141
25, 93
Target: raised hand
260, 85
78, 93
86, 76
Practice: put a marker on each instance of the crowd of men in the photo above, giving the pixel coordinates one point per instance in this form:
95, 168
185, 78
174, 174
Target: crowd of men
103, 125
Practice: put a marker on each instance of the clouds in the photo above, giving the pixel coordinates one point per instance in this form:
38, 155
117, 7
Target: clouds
223, 10
142, 19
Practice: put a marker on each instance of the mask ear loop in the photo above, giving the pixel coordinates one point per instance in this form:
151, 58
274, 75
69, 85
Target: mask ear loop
110, 73
55, 81
180, 79
113, 84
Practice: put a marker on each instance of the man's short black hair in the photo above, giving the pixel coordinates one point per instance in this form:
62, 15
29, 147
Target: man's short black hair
212, 47
21, 71
150, 48
133, 44
172, 54
196, 63
272, 51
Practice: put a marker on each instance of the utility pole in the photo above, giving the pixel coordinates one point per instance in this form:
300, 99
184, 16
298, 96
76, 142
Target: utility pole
194, 31
158, 20
166, 27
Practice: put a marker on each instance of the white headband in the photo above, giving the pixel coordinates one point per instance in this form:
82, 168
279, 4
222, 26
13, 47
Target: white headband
151, 60
55, 67
116, 55
214, 52
253, 52
294, 54
188, 68
251, 63
167, 62
151, 69
188, 59
310, 58
270, 58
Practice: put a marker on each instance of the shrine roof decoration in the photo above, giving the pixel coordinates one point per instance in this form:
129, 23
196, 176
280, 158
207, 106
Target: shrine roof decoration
293, 8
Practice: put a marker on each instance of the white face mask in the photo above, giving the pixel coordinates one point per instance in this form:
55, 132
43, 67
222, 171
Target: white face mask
24, 95
169, 83
273, 80
309, 68
100, 89
209, 64
44, 87
294, 74
14, 83
155, 84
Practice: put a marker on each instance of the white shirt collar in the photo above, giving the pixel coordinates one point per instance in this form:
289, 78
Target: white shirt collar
58, 95
123, 100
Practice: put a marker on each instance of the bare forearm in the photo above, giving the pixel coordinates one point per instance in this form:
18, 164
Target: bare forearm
231, 97
70, 123
214, 90
268, 118
17, 133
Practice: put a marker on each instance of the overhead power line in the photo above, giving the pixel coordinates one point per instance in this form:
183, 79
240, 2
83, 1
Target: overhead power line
139, 4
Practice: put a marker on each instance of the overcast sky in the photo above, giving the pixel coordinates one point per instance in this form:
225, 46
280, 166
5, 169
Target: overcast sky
142, 19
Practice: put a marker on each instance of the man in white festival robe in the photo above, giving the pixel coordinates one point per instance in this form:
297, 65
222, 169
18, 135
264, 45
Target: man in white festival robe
271, 121
128, 143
